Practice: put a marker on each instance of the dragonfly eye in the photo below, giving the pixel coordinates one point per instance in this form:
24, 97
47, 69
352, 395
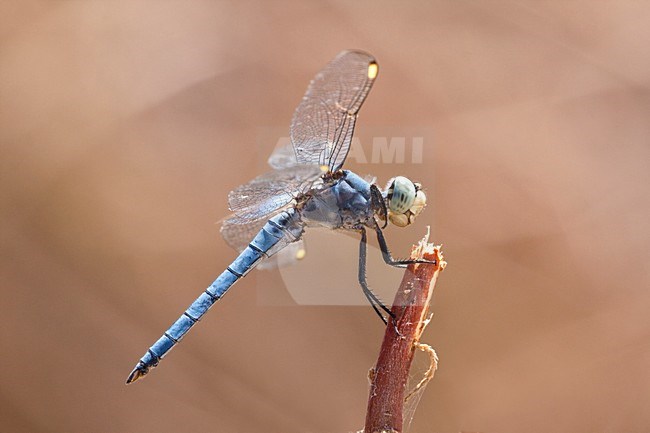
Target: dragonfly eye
403, 195
405, 201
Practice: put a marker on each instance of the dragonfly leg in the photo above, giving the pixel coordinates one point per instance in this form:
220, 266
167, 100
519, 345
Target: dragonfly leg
375, 302
379, 205
388, 258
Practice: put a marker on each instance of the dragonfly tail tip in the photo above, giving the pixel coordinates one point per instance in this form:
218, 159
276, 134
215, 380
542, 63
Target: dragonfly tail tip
138, 372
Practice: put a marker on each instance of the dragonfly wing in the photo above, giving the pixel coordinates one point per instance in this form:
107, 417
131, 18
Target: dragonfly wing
323, 124
238, 233
271, 191
283, 157
287, 256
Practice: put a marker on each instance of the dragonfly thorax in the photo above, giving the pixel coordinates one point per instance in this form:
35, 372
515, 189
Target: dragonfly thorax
343, 203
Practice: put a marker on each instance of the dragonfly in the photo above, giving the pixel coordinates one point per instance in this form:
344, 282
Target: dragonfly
307, 187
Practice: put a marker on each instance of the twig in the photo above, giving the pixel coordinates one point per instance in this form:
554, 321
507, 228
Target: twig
410, 308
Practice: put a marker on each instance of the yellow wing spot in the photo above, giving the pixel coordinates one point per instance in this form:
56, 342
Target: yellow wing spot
373, 68
300, 254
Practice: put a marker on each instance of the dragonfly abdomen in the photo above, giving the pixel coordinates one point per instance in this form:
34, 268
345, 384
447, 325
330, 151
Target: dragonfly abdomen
285, 227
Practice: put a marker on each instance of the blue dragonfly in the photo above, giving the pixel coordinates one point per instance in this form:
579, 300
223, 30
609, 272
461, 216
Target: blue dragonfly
306, 188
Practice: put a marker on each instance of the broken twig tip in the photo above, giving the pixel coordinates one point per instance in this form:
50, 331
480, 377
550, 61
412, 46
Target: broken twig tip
425, 248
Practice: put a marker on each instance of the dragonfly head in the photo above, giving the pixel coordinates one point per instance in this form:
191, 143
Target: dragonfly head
404, 200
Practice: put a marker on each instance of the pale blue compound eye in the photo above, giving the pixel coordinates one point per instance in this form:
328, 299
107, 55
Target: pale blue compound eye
403, 195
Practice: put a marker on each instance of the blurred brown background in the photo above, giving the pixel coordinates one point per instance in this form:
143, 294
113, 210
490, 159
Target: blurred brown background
124, 124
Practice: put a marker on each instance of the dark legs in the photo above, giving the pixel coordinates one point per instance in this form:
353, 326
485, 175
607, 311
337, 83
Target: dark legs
388, 258
372, 298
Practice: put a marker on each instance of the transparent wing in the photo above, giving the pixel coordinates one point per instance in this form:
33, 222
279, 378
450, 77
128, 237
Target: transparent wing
271, 191
287, 256
322, 126
283, 157
238, 233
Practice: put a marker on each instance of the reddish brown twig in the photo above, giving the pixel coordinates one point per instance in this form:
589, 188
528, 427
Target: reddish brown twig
390, 374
